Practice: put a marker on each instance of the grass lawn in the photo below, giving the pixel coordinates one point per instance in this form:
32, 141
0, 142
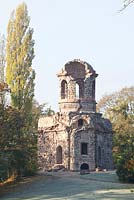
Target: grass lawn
72, 186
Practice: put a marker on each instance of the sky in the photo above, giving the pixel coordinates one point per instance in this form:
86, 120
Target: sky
91, 30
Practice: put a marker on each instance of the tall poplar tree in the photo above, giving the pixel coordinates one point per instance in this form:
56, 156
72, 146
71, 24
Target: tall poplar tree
20, 79
2, 68
19, 55
2, 57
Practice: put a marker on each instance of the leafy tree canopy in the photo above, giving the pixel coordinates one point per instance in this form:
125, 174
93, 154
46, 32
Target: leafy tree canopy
119, 108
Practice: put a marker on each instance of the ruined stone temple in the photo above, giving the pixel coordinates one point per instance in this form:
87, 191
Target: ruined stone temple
76, 136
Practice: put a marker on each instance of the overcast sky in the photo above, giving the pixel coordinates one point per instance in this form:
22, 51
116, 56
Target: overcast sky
91, 30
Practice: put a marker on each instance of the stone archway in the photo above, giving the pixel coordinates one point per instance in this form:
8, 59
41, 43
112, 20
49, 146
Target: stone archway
84, 166
59, 155
64, 89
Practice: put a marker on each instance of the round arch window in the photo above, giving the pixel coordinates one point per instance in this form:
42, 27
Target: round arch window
84, 166
64, 89
80, 123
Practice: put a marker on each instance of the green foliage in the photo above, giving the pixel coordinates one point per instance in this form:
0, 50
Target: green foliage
2, 57
119, 108
4, 166
18, 147
8, 127
48, 111
18, 144
124, 158
37, 111
19, 55
18, 125
2, 68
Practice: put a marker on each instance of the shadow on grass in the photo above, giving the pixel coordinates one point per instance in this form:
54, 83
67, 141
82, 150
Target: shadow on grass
21, 184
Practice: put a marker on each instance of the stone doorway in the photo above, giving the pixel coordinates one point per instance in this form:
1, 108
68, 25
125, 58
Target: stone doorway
59, 155
84, 166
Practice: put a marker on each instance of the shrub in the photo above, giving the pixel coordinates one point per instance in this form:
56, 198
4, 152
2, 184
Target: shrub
124, 159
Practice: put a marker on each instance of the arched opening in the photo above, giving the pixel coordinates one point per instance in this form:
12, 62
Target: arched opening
99, 153
77, 91
84, 166
59, 155
64, 89
93, 89
80, 123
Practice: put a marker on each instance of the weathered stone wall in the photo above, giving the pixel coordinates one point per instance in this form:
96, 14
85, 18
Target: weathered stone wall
76, 135
48, 143
66, 133
104, 141
84, 136
52, 134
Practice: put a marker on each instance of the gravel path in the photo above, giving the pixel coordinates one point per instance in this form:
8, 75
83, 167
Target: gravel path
72, 186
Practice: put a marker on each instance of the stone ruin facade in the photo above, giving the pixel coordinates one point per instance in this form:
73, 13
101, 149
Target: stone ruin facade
76, 136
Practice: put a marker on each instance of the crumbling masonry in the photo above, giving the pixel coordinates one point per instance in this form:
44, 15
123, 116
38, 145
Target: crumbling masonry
77, 136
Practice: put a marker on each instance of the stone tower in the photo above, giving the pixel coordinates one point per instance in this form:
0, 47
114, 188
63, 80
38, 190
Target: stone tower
77, 87
76, 137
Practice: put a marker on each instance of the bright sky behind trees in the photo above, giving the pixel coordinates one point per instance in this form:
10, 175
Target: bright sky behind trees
91, 30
